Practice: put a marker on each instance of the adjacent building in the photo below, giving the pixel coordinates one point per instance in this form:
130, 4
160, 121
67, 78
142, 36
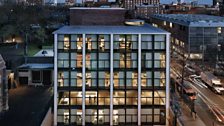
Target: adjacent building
111, 74
3, 87
83, 2
145, 10
131, 4
198, 37
38, 70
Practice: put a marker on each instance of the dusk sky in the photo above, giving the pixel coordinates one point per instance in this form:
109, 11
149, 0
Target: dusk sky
200, 1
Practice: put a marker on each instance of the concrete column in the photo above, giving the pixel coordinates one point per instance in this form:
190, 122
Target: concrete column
167, 77
139, 79
55, 78
83, 77
111, 79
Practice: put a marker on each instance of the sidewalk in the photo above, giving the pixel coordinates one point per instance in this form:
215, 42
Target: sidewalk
187, 119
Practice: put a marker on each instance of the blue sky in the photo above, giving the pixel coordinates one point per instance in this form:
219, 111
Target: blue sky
199, 1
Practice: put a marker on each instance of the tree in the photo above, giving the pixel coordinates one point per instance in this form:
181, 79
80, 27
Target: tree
8, 30
40, 35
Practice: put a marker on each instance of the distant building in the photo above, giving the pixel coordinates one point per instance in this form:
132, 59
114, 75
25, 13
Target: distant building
145, 10
194, 36
175, 8
192, 8
84, 2
131, 4
108, 73
3, 87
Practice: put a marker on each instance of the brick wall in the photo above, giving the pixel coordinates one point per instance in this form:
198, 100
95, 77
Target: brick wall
97, 16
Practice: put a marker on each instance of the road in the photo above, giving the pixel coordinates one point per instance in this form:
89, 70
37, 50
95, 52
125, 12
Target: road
205, 114
206, 99
209, 106
215, 99
27, 106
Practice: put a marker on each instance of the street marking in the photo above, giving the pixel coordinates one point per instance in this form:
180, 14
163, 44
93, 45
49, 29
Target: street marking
200, 83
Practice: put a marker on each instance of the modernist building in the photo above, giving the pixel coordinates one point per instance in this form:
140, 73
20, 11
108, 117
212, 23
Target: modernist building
111, 75
195, 36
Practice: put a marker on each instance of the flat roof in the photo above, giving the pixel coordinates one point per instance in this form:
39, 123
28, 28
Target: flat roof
36, 66
193, 20
145, 5
45, 53
97, 29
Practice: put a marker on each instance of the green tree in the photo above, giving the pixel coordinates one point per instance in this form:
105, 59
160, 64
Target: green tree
8, 30
40, 34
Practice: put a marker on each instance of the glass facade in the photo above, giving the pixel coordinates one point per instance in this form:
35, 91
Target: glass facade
97, 73
204, 42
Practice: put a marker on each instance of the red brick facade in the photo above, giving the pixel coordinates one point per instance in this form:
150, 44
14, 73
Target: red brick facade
97, 16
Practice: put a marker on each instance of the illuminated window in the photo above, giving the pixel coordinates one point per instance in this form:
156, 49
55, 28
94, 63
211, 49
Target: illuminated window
171, 25
89, 43
102, 43
219, 30
146, 98
66, 42
91, 98
155, 25
79, 42
164, 23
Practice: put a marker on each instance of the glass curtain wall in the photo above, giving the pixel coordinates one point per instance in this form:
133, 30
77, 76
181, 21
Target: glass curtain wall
153, 79
97, 84
97, 97
125, 78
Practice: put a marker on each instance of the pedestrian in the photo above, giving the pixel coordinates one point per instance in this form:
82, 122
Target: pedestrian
195, 113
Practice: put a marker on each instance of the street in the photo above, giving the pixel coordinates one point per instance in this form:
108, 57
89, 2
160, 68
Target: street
27, 106
206, 99
209, 105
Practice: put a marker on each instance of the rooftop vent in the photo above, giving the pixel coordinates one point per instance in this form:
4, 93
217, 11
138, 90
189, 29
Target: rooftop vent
135, 22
